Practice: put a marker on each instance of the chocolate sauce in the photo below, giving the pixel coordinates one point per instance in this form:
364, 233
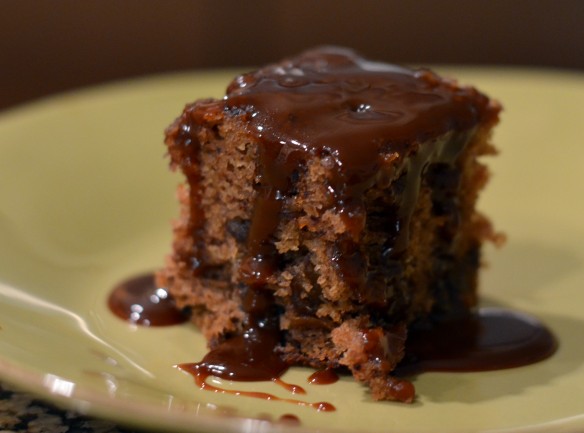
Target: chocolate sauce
323, 377
140, 301
491, 339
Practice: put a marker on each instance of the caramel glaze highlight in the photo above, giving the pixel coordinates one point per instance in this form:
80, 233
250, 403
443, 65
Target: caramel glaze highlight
323, 377
360, 115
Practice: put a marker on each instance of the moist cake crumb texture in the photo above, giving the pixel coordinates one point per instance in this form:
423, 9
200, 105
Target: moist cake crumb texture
331, 200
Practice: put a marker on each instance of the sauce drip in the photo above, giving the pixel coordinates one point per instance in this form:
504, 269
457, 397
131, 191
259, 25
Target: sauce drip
323, 377
139, 301
290, 387
492, 339
251, 356
200, 373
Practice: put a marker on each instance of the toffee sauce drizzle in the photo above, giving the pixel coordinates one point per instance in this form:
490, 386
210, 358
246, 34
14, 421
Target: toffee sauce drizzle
251, 356
200, 374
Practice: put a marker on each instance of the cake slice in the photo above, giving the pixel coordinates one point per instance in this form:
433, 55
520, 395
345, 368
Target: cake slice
331, 200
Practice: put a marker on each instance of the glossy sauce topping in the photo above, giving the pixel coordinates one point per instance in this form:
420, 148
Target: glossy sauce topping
140, 301
333, 100
492, 339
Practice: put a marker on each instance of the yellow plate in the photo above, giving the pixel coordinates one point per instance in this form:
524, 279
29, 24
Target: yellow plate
86, 200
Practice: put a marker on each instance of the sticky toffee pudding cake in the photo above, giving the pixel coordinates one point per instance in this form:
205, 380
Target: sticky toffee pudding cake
329, 204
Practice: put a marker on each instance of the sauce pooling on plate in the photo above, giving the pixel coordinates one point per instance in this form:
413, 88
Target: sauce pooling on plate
490, 339
139, 301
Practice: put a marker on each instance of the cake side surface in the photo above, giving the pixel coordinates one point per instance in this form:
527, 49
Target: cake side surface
335, 197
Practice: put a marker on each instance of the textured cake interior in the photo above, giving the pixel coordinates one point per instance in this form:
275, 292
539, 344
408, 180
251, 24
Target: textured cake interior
348, 281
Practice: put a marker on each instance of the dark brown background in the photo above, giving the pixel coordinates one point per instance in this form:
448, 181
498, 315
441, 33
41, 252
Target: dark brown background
47, 46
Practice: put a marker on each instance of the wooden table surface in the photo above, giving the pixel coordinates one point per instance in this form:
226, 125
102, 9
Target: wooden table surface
23, 413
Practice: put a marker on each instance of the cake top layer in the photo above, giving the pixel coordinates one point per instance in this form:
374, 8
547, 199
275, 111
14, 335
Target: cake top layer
330, 99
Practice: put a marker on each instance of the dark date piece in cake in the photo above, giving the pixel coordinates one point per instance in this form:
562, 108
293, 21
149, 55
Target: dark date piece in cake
330, 200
